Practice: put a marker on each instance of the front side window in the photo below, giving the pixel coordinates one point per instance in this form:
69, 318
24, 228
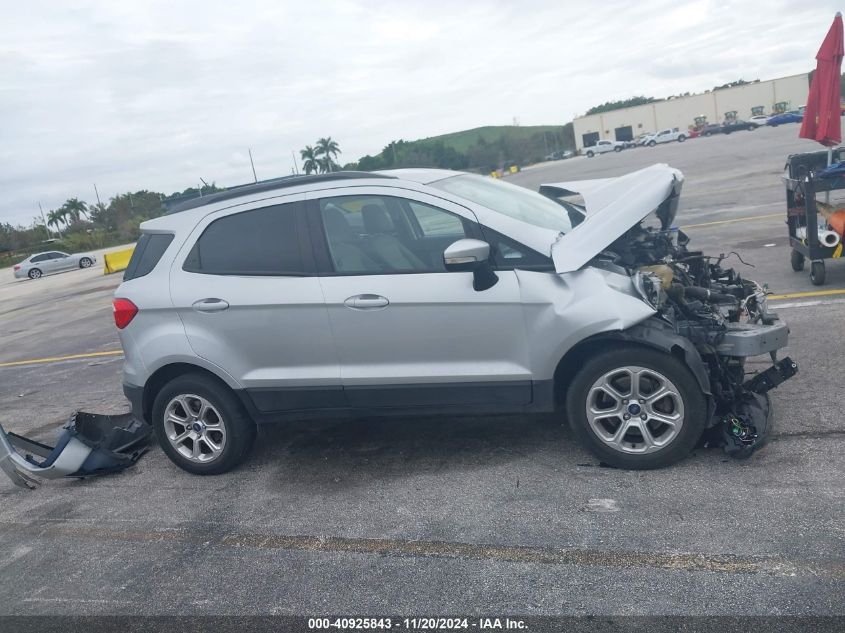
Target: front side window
386, 234
259, 242
515, 202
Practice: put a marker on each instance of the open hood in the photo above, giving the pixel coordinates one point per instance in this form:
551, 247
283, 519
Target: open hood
613, 206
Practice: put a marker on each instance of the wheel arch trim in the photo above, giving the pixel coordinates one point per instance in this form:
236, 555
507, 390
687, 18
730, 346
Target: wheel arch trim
171, 370
651, 333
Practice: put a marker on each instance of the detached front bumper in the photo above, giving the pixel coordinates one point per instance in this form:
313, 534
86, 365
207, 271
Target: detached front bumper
90, 445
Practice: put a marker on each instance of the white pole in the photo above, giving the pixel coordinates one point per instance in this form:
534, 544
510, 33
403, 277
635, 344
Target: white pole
254, 176
49, 234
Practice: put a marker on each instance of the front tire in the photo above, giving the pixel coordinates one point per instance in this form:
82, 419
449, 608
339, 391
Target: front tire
796, 259
35, 273
590, 154
85, 262
817, 273
201, 425
652, 143
617, 149
636, 408
681, 138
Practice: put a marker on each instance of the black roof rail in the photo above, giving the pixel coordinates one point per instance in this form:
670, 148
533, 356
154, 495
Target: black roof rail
271, 185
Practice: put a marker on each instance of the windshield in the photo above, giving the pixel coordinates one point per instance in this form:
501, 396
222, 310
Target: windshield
515, 202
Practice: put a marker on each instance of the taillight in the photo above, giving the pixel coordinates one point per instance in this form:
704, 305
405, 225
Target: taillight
124, 312
17, 267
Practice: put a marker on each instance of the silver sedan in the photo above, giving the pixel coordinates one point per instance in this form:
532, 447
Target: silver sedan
40, 264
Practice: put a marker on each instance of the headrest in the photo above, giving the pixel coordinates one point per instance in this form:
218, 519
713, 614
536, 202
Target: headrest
336, 224
376, 219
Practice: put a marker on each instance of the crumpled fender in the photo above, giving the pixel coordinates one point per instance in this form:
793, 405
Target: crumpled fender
657, 334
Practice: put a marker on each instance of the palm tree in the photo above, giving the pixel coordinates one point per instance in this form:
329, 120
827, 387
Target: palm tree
310, 162
75, 208
328, 149
54, 218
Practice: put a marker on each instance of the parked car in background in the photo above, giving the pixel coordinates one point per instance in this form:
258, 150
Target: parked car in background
642, 139
666, 136
739, 124
559, 155
710, 129
787, 117
759, 119
41, 264
602, 147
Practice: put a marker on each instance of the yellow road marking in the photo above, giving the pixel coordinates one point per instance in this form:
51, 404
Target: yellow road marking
753, 217
810, 293
56, 359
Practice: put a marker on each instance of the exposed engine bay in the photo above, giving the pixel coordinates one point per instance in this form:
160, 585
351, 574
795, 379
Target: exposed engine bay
724, 315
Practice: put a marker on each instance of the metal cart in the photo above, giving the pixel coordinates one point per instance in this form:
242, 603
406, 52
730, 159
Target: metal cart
802, 185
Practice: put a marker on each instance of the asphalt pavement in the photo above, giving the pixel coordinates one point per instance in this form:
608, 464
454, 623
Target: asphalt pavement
495, 516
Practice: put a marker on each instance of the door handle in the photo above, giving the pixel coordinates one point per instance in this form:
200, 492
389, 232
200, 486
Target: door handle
366, 302
210, 305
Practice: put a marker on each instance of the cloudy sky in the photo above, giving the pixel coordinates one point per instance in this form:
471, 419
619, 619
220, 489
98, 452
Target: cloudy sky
156, 95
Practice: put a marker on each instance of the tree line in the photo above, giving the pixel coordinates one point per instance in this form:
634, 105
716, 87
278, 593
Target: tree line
78, 226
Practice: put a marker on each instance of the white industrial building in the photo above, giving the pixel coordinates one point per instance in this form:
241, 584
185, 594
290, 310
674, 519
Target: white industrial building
680, 112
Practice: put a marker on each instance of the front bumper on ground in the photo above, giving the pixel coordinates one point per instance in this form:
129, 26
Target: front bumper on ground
90, 445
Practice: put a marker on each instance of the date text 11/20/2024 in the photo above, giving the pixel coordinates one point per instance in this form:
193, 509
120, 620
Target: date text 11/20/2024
416, 624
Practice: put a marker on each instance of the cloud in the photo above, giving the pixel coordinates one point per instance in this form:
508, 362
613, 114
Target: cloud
158, 94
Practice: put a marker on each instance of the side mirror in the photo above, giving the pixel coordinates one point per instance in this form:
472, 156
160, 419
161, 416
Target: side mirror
474, 256
466, 255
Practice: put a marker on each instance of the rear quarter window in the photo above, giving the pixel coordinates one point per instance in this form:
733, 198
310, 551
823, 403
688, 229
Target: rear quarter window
148, 252
258, 242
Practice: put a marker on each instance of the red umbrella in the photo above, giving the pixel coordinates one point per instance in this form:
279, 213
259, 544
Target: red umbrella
821, 117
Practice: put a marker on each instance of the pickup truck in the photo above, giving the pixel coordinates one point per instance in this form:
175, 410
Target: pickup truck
666, 136
602, 147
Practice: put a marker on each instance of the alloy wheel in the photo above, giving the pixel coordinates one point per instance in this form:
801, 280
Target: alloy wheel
195, 428
635, 410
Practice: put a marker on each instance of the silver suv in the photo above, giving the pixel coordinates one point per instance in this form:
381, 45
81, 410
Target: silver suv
430, 292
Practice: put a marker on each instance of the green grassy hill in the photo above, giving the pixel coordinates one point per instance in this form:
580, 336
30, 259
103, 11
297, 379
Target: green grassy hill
483, 148
463, 140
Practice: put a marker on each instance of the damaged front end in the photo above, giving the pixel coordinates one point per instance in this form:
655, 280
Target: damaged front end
709, 314
726, 319
89, 445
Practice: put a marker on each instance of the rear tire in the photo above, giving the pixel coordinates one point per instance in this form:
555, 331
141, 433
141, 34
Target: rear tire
681, 138
617, 149
193, 414
85, 262
35, 273
684, 403
590, 154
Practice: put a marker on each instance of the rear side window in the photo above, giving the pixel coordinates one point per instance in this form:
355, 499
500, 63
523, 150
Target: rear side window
147, 253
260, 242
